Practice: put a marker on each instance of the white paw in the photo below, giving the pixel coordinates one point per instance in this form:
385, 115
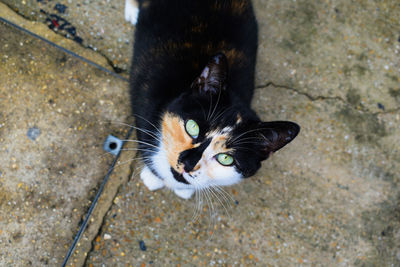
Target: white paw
184, 193
151, 181
131, 11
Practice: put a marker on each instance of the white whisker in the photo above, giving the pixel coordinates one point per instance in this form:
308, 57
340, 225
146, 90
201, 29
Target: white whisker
212, 190
216, 104
249, 131
140, 142
148, 132
137, 115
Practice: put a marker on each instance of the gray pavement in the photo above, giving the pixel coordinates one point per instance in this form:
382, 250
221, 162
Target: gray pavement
331, 198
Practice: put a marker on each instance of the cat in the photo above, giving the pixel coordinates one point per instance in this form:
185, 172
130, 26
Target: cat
192, 82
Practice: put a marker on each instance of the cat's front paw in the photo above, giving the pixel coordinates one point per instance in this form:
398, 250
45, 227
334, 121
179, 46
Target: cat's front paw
151, 181
184, 193
131, 11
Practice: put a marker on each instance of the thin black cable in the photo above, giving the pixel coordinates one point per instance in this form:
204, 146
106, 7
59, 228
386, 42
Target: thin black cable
103, 184
63, 49
89, 213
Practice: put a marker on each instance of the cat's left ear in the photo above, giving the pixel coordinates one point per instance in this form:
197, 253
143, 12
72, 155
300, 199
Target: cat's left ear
213, 77
275, 135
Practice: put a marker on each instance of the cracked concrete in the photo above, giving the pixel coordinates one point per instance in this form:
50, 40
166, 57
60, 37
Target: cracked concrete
88, 23
50, 103
331, 198
321, 97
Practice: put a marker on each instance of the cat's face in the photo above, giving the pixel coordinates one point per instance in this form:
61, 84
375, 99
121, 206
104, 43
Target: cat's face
207, 140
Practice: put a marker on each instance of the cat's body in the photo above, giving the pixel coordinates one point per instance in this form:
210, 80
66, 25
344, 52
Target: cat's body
192, 81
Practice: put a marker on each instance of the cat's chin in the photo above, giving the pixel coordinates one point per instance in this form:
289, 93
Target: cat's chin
180, 177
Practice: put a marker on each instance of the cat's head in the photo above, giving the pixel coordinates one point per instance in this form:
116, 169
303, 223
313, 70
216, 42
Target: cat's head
210, 138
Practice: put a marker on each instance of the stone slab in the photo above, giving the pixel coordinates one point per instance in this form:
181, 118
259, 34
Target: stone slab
331, 198
55, 114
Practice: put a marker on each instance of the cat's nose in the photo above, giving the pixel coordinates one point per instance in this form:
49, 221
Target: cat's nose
189, 159
189, 164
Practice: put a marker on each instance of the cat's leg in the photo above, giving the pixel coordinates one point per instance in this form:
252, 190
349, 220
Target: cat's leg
184, 193
151, 181
131, 11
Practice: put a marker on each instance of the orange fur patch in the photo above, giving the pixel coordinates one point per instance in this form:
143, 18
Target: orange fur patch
218, 144
237, 7
175, 139
235, 57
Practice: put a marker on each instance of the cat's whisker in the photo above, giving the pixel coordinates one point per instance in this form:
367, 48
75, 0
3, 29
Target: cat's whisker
255, 138
209, 206
220, 114
246, 148
141, 117
214, 192
209, 108
213, 208
227, 195
249, 131
131, 149
140, 142
148, 132
244, 143
227, 198
137, 149
213, 212
197, 210
216, 104
194, 212
202, 195
248, 138
194, 215
202, 109
200, 202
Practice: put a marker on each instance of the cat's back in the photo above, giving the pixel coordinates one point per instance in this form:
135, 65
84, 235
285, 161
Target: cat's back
175, 39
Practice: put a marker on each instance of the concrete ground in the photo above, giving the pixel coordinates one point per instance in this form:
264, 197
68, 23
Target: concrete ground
331, 198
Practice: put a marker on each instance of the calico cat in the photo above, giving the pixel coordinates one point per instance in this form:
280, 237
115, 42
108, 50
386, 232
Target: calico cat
192, 81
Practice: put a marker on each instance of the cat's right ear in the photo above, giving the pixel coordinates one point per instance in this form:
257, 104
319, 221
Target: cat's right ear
275, 135
213, 77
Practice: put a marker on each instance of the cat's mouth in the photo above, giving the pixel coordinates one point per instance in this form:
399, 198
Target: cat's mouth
179, 177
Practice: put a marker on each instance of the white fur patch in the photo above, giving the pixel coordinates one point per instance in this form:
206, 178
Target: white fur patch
209, 173
131, 11
184, 193
163, 169
151, 181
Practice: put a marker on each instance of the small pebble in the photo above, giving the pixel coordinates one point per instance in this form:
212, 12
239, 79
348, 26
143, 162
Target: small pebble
107, 236
142, 245
33, 133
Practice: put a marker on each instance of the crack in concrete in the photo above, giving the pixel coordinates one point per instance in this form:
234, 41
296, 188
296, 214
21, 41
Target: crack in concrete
104, 218
109, 61
321, 97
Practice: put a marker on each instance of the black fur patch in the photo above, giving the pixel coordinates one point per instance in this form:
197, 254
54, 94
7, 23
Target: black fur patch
196, 59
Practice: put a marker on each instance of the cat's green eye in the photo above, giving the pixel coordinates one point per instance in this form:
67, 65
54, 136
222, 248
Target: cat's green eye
225, 159
192, 128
